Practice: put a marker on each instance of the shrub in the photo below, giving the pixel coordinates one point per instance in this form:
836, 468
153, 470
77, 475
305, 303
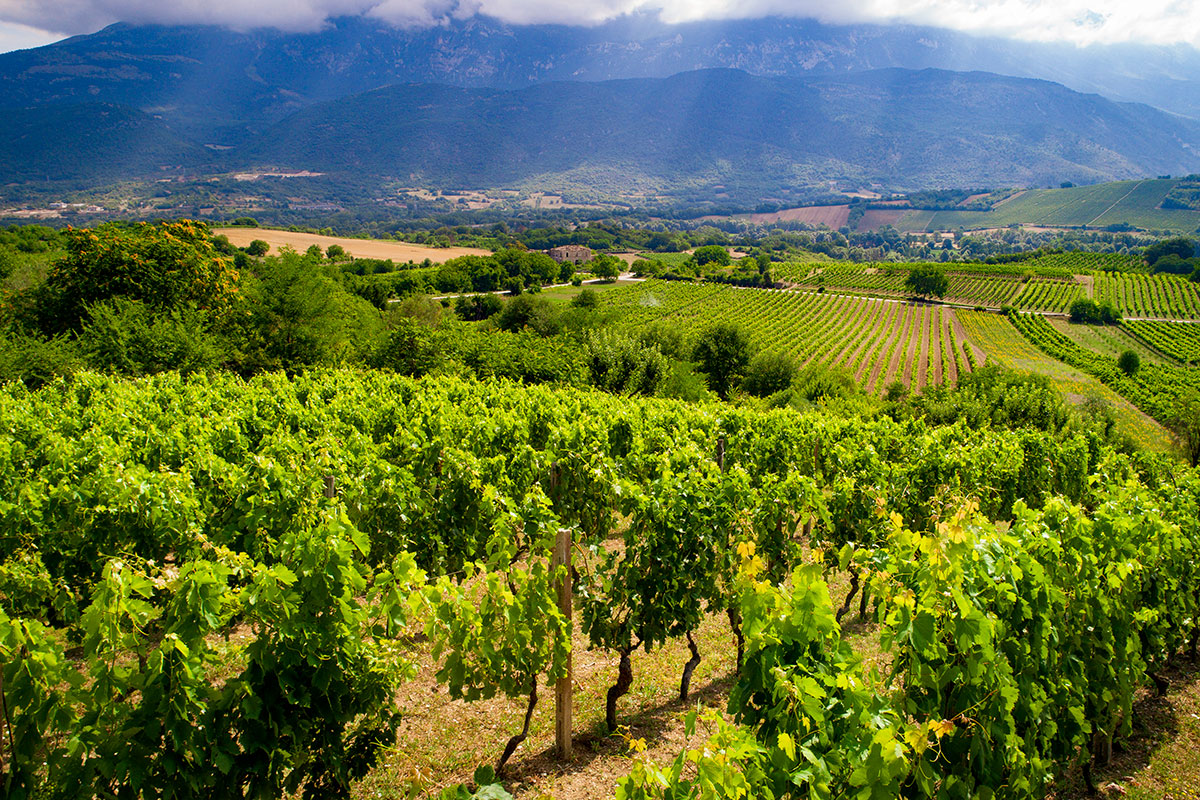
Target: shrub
1129, 362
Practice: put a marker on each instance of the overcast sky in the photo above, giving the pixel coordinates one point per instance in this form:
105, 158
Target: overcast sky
30, 23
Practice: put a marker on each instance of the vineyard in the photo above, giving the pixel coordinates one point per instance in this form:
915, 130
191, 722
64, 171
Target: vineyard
1154, 296
1043, 284
252, 583
878, 341
1048, 296
1179, 340
1005, 345
1154, 388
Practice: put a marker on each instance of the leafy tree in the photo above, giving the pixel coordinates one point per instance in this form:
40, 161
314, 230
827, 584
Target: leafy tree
7, 263
258, 247
621, 365
314, 251
588, 298
1180, 246
1085, 310
1129, 362
524, 311
927, 281
166, 266
335, 252
1184, 422
769, 373
606, 266
722, 353
478, 307
123, 335
712, 254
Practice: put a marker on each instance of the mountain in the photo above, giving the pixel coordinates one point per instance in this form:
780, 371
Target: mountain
89, 144
221, 87
695, 135
727, 131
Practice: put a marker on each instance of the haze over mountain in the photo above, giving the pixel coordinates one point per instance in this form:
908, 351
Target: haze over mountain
215, 84
736, 108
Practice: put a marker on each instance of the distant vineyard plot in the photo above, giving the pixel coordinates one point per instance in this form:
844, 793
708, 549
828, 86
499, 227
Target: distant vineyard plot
1047, 286
879, 341
1135, 203
359, 248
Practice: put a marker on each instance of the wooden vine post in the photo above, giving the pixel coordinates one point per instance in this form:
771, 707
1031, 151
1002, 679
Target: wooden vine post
564, 687
330, 487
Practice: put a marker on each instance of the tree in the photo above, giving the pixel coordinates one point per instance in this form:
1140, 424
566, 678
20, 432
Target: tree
167, 266
927, 280
1184, 422
258, 247
1180, 246
769, 373
606, 266
588, 298
335, 252
712, 254
722, 353
1129, 362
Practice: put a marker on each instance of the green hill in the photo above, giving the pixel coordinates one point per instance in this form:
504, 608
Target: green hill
1136, 203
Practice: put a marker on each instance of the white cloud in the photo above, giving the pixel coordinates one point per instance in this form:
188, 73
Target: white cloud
1079, 21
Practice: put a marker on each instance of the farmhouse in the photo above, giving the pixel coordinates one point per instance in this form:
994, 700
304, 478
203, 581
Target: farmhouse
573, 253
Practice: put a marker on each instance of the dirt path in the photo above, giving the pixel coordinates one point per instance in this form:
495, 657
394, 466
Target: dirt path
951, 330
920, 380
1089, 285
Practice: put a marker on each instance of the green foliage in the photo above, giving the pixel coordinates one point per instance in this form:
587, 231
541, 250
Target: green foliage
475, 308
138, 714
526, 311
588, 298
927, 281
621, 365
768, 373
409, 348
36, 360
126, 336
1086, 310
722, 353
1181, 247
165, 266
1128, 362
605, 266
299, 315
712, 254
257, 248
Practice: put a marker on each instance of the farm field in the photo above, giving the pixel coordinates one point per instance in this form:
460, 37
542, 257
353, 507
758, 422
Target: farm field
1159, 296
997, 337
987, 285
359, 248
1179, 340
879, 341
1108, 340
1132, 202
833, 217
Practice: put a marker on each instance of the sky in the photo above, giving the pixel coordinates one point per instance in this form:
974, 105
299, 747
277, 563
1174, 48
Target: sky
31, 23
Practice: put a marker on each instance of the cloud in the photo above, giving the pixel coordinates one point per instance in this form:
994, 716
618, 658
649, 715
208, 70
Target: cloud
1079, 21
